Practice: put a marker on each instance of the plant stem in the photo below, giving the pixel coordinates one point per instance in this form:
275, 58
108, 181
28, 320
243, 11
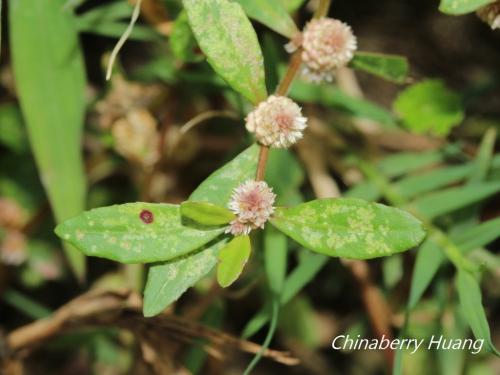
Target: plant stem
323, 7
293, 68
285, 84
261, 166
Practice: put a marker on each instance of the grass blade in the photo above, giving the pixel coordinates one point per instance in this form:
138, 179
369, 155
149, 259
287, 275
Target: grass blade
51, 85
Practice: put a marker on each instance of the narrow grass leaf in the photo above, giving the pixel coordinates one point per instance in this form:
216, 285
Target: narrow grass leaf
451, 199
50, 80
469, 293
307, 269
275, 258
271, 13
430, 256
390, 67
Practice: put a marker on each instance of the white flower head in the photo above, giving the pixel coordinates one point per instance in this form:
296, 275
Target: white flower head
491, 14
252, 203
327, 45
277, 122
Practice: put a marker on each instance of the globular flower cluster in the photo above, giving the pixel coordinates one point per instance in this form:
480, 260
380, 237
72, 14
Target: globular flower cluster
491, 14
252, 203
277, 122
328, 44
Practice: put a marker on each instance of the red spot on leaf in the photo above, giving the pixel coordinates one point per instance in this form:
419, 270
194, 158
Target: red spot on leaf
146, 216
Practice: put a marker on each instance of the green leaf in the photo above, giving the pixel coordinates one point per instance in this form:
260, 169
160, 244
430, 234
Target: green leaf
275, 256
182, 41
308, 268
430, 256
216, 189
232, 259
271, 13
350, 228
292, 5
392, 269
285, 175
333, 97
50, 80
206, 213
228, 39
449, 200
12, 134
219, 186
482, 161
391, 67
472, 306
168, 281
429, 106
114, 11
457, 7
407, 162
134, 233
115, 30
427, 182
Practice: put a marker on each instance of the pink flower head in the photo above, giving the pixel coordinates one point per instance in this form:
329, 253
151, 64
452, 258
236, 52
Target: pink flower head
491, 14
277, 122
327, 45
252, 203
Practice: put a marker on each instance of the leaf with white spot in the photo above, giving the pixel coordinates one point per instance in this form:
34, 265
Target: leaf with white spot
168, 281
219, 186
232, 260
227, 38
349, 228
135, 233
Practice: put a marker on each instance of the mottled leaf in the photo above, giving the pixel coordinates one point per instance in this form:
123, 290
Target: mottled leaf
350, 228
218, 187
271, 13
134, 233
206, 213
168, 281
232, 259
457, 7
228, 39
391, 67
50, 82
429, 106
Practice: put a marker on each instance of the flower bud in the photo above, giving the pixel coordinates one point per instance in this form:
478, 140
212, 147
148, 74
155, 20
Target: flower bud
327, 45
252, 203
277, 122
490, 14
